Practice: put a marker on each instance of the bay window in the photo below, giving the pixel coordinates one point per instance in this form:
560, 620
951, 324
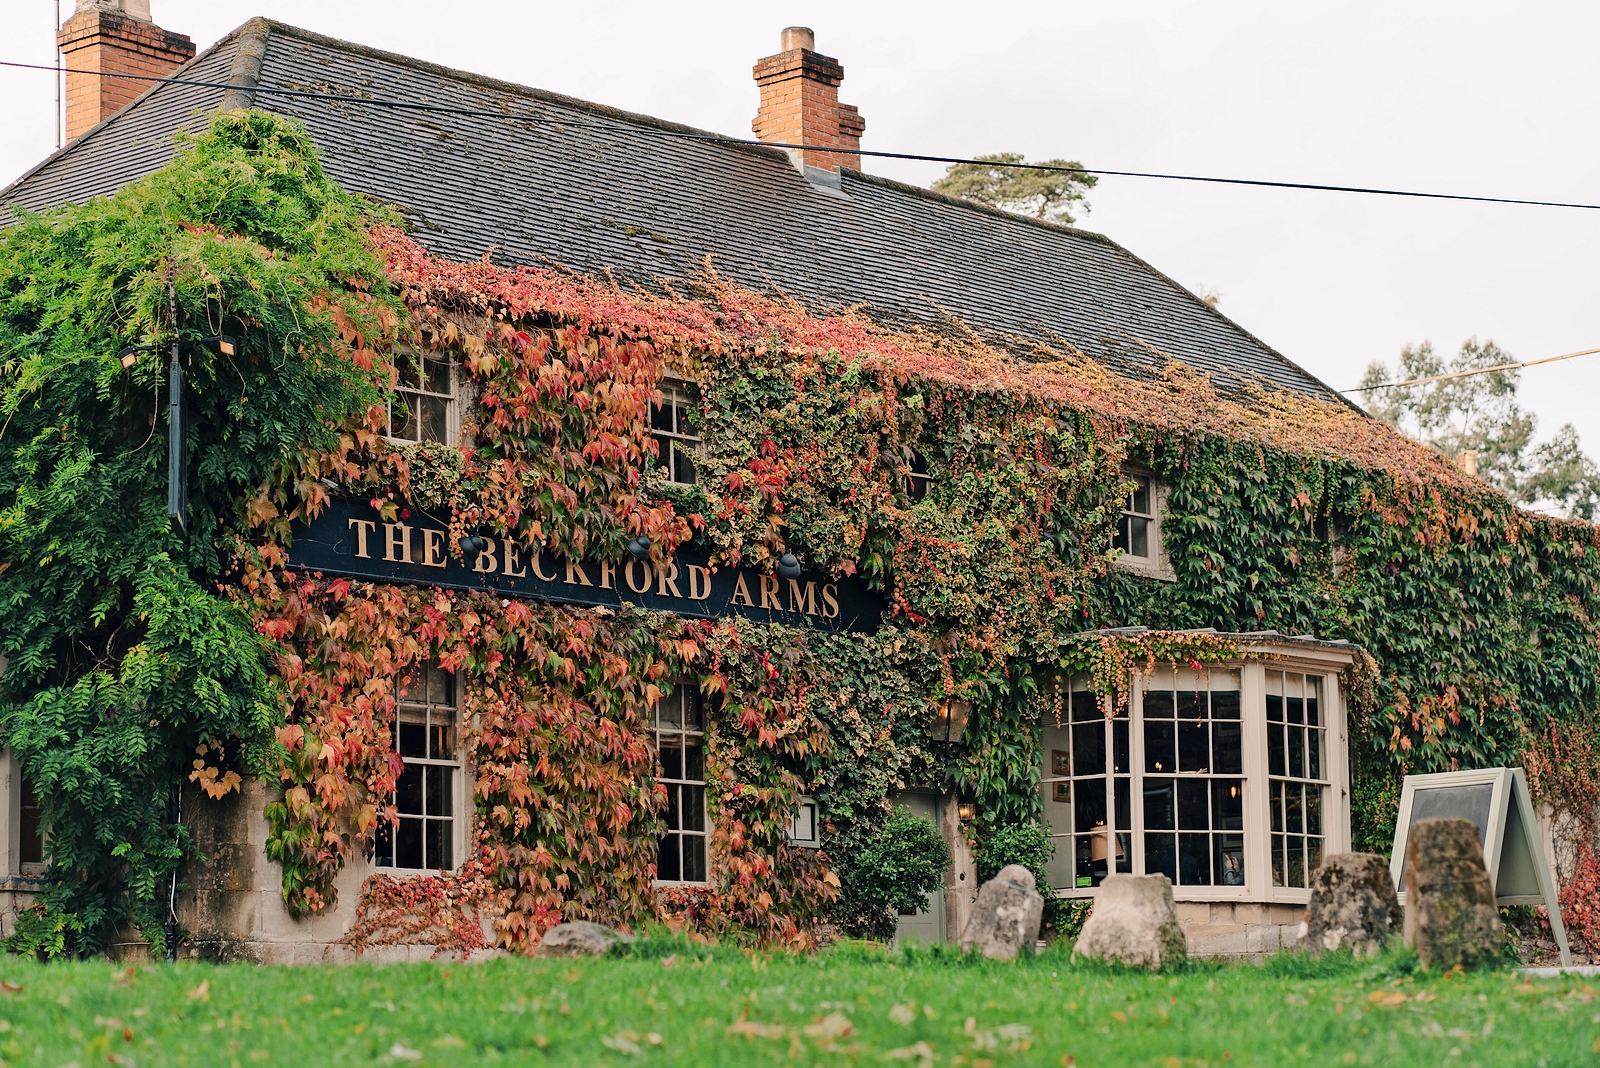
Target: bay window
1231, 781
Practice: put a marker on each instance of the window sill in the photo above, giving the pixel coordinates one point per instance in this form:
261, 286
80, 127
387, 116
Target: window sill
412, 873
672, 884
1144, 567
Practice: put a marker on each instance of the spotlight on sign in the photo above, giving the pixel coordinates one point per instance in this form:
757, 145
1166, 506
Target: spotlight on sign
788, 566
639, 548
472, 545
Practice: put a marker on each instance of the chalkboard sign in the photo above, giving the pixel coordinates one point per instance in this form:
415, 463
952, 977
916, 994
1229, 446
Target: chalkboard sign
1496, 800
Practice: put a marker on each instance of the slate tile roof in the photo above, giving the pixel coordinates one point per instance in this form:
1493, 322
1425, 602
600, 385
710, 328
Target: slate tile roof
590, 188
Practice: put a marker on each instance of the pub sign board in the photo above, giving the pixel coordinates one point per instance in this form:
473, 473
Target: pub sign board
352, 540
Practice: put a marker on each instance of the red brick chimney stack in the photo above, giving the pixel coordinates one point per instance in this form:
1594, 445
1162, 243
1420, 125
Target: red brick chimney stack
800, 104
114, 37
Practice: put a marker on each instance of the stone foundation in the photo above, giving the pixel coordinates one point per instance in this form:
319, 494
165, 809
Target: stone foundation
1239, 929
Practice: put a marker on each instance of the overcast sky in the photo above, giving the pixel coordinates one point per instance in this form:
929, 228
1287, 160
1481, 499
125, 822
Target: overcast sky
1491, 99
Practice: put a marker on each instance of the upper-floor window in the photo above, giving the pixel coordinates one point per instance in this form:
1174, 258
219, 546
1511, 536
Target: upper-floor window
678, 722
1138, 531
919, 480
426, 833
677, 442
424, 404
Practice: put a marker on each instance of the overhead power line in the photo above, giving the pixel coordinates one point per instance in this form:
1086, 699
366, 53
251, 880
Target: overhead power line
446, 109
1465, 374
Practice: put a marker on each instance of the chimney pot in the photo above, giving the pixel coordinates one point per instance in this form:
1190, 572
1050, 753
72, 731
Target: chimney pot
799, 37
104, 38
800, 105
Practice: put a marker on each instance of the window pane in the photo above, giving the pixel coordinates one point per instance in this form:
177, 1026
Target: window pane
1161, 855
1293, 811
1194, 804
1119, 746
694, 760
669, 711
1089, 811
439, 790
661, 414
694, 808
1313, 810
1125, 854
694, 858
1297, 862
1085, 708
1275, 747
683, 465
671, 753
408, 795
438, 372
408, 844
441, 740
435, 416
1297, 751
1138, 536
1227, 804
1277, 860
1277, 806
692, 712
1058, 807
1274, 707
1227, 747
403, 417
1295, 708
1194, 859
1224, 704
30, 849
1158, 704
671, 815
413, 739
1089, 748
1123, 789
1159, 809
437, 842
1230, 859
1160, 749
1086, 870
1311, 702
667, 865
1314, 754
1193, 746
406, 364
1314, 854
1191, 705
1140, 499
383, 845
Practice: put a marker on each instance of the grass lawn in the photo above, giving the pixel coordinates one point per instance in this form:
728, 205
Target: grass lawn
843, 1007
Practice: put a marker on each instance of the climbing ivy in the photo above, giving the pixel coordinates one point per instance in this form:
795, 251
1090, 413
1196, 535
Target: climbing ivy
1283, 512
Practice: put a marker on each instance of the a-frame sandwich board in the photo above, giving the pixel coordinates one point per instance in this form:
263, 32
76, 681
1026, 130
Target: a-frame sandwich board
1497, 801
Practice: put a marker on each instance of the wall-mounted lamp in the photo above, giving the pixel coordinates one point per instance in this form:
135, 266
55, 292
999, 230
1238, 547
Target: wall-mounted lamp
950, 722
472, 545
788, 566
966, 810
639, 548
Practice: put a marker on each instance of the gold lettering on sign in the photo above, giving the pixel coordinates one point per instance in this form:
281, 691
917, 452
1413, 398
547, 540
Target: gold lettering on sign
667, 580
830, 603
769, 593
397, 536
362, 527
513, 559
432, 547
803, 602
486, 563
608, 575
577, 569
699, 582
741, 592
538, 558
637, 587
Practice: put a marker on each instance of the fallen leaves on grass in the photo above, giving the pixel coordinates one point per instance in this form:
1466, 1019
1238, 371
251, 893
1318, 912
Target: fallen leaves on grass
1020, 1036
201, 992
8, 987
922, 1053
904, 1015
755, 1029
1387, 997
401, 1052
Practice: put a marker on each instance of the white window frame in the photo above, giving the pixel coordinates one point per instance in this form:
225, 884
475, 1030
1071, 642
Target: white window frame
1257, 834
677, 396
460, 796
452, 398
682, 783
11, 846
807, 815
1157, 565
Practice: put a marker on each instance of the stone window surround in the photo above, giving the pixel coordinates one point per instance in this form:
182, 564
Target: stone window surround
1258, 886
1158, 564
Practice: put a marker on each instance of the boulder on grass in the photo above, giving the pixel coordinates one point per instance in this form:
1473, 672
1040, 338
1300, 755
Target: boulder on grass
1005, 919
1451, 916
1353, 905
579, 939
1134, 921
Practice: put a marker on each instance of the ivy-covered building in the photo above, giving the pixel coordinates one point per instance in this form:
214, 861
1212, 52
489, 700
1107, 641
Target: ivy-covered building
590, 517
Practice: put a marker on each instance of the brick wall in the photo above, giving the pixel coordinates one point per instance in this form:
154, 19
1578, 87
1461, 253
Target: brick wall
100, 43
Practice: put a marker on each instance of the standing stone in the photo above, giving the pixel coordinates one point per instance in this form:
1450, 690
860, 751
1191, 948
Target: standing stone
1451, 917
1134, 921
1353, 905
1005, 918
578, 939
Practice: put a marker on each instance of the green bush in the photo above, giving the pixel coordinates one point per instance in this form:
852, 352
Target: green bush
1028, 844
894, 873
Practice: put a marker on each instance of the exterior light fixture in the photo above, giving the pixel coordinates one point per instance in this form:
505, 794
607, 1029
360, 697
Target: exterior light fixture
966, 810
639, 548
472, 545
950, 722
788, 566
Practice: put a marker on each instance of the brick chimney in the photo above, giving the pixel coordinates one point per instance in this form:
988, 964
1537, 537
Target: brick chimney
114, 37
800, 104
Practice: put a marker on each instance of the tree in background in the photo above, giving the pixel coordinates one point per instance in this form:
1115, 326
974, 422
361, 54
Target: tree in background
1480, 413
997, 181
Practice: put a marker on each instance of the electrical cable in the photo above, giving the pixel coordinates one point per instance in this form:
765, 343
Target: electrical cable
1465, 374
446, 109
